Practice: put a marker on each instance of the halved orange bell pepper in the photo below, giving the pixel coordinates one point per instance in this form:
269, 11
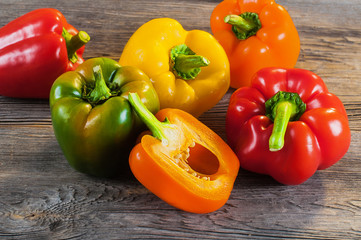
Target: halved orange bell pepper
255, 34
184, 163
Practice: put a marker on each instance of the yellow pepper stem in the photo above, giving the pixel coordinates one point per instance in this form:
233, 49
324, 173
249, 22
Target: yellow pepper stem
185, 63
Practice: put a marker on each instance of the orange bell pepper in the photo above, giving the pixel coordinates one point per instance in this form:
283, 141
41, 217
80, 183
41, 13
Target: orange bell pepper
255, 34
184, 163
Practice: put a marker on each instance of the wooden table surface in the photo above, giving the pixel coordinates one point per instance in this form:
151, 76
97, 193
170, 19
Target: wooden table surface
42, 197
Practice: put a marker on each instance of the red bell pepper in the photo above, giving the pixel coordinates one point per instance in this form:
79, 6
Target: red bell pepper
287, 125
35, 49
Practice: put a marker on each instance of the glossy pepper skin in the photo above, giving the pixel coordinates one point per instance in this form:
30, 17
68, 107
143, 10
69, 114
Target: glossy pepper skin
92, 119
189, 69
35, 49
313, 140
266, 37
184, 163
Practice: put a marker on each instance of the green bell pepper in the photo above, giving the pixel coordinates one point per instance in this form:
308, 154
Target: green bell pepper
92, 119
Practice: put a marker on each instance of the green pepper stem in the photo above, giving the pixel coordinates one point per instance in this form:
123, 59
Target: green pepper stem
284, 112
101, 91
158, 129
74, 43
244, 25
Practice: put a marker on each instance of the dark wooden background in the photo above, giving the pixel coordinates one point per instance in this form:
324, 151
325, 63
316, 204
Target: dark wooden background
41, 197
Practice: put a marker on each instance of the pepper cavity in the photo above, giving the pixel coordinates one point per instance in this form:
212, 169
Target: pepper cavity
199, 167
181, 159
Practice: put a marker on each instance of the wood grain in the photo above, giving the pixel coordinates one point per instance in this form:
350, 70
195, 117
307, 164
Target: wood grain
42, 197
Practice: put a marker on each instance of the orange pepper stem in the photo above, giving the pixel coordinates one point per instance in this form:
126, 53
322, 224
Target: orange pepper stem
73, 43
282, 108
245, 25
100, 92
160, 130
185, 63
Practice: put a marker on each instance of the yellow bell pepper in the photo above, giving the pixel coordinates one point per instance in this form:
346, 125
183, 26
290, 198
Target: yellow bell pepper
188, 69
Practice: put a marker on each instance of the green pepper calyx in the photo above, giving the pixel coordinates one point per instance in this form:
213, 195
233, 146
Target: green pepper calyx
282, 108
100, 92
74, 43
245, 25
160, 130
185, 63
